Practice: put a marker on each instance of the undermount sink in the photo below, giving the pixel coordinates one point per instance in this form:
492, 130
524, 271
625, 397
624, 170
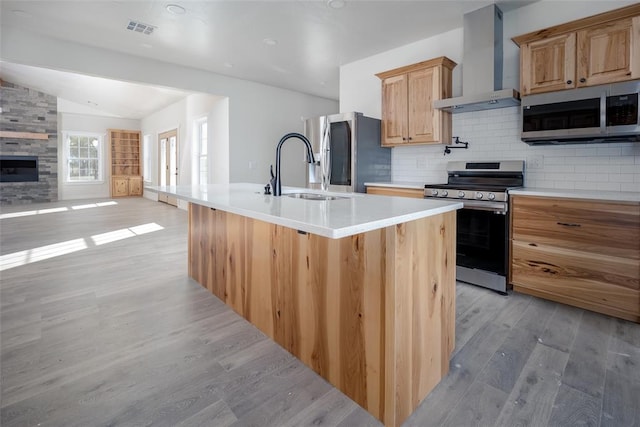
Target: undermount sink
313, 196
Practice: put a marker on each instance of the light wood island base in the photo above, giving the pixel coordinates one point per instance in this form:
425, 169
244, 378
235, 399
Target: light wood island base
373, 313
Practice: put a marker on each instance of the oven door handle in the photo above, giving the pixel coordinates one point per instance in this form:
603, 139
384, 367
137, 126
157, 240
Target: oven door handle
497, 207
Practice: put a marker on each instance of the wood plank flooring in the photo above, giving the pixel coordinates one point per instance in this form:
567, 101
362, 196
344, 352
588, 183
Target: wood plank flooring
100, 325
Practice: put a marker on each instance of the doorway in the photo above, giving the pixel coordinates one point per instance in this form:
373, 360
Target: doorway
168, 161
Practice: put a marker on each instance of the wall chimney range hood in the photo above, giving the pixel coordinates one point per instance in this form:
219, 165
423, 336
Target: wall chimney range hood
481, 66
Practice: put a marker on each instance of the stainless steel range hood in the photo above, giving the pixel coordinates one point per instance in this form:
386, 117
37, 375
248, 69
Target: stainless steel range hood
481, 65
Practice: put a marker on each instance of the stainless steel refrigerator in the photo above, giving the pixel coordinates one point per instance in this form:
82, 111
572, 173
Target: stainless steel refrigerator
347, 151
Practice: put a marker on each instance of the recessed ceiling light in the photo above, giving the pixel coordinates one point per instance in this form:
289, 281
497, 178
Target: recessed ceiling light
270, 42
228, 64
22, 13
175, 9
336, 4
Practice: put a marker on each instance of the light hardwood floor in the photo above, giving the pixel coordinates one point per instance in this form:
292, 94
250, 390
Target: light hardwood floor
100, 325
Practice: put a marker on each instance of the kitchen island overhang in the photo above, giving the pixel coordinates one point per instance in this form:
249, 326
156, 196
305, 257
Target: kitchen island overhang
361, 289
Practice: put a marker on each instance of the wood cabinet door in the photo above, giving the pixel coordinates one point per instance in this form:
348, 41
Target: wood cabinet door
608, 53
135, 186
394, 110
119, 186
548, 65
423, 124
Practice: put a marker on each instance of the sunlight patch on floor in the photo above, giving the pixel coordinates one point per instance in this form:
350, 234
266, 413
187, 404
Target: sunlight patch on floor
54, 210
29, 256
113, 236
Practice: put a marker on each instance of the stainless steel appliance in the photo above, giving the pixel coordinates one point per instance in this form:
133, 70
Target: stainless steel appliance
482, 235
347, 151
606, 113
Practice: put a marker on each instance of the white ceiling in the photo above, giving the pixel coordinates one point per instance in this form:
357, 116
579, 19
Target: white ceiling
93, 95
227, 37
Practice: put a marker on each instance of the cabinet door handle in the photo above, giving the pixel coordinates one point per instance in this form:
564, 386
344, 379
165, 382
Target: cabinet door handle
568, 224
569, 82
409, 138
404, 139
582, 80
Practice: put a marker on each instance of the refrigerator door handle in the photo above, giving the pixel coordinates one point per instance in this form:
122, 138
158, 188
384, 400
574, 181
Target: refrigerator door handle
325, 164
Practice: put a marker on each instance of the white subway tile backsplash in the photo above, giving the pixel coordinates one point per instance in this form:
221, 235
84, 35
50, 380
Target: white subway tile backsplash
588, 151
583, 186
621, 177
597, 177
495, 135
622, 160
569, 185
634, 169
609, 151
610, 186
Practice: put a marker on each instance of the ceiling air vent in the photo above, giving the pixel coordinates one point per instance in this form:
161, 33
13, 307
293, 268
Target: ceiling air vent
139, 27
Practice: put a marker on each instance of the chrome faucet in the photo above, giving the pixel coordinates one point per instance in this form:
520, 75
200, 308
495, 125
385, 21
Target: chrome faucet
275, 179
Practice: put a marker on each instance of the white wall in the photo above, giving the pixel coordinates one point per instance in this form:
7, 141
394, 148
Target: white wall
181, 116
494, 134
360, 89
72, 122
258, 114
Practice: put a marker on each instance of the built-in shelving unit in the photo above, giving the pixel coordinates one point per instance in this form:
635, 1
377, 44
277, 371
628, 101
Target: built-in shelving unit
125, 154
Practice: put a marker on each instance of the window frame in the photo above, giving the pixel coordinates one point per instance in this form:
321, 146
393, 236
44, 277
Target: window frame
146, 158
198, 123
66, 148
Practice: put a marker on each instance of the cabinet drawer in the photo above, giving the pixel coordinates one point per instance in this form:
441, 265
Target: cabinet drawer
403, 192
593, 281
599, 227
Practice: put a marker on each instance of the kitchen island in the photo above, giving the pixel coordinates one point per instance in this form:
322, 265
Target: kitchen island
361, 288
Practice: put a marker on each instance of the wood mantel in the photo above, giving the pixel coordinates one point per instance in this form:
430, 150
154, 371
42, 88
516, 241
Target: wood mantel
23, 135
373, 313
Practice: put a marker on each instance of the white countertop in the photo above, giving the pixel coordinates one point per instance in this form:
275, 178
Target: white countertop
356, 213
604, 195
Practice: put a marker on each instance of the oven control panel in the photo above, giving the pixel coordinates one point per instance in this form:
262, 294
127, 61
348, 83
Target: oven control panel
466, 194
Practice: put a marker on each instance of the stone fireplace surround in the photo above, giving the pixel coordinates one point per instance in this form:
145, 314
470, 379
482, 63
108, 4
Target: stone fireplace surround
27, 110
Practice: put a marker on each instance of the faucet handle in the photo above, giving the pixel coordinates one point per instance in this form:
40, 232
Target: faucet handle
271, 171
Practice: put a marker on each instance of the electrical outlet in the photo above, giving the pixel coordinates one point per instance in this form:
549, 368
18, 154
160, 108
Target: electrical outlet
535, 161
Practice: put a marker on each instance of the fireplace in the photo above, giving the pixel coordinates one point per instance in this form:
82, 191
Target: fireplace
18, 168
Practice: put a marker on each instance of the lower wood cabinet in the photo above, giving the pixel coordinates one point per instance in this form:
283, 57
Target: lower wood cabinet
583, 253
394, 191
124, 185
372, 313
135, 186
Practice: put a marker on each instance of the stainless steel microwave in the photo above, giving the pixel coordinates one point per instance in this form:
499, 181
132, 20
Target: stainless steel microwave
606, 113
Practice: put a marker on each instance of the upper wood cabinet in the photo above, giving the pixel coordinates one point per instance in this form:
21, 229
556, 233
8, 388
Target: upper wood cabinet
408, 116
609, 53
548, 65
597, 50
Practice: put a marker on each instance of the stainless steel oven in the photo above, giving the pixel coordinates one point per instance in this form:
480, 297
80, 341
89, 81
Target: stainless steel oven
482, 242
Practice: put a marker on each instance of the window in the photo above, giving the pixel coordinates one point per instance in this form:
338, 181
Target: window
83, 153
146, 158
201, 138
